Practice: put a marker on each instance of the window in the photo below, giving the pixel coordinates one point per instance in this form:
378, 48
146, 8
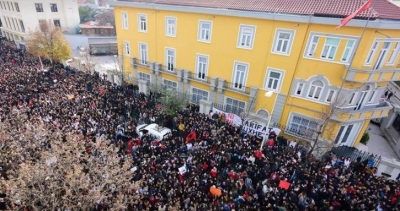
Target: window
53, 8
204, 31
303, 126
330, 48
170, 85
371, 54
127, 48
299, 89
170, 26
353, 98
14, 25
246, 36
142, 22
315, 89
12, 6
331, 96
144, 77
312, 46
395, 53
283, 41
39, 7
372, 96
273, 80
382, 55
348, 50
16, 6
201, 66
8, 5
170, 58
143, 53
239, 75
57, 23
198, 94
125, 23
234, 106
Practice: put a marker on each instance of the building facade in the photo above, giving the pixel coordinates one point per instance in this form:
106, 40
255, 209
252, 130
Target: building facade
230, 53
395, 2
18, 17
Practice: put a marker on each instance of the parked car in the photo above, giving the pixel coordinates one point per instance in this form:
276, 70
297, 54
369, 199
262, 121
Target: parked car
157, 131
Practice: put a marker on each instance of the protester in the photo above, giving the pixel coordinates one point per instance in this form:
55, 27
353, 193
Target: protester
205, 165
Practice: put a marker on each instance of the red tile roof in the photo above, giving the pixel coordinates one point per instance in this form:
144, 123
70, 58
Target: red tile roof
380, 8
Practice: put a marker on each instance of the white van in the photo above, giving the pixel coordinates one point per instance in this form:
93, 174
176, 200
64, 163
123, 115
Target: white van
159, 132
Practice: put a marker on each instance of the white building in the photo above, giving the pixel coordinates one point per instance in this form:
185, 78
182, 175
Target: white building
19, 17
395, 2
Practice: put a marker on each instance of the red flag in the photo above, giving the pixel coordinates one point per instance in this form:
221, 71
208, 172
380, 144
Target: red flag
364, 7
192, 136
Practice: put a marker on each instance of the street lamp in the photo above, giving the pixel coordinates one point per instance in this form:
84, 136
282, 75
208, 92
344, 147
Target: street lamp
268, 95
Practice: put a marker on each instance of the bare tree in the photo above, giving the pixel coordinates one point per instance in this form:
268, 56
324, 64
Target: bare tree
57, 170
106, 17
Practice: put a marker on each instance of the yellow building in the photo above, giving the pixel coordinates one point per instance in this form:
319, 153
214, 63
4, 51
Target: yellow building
228, 54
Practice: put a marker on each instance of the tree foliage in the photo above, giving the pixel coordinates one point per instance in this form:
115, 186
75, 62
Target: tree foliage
172, 101
48, 41
86, 14
59, 171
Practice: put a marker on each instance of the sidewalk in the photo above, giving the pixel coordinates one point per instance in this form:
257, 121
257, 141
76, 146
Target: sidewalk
378, 144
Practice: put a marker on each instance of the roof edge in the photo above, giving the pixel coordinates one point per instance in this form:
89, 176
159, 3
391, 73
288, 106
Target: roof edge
375, 24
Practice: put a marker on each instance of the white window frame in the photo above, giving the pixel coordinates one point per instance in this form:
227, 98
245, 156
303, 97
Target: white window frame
353, 98
314, 94
277, 81
310, 131
395, 54
167, 59
238, 102
332, 95
331, 48
168, 86
235, 65
372, 96
125, 20
240, 40
203, 66
300, 86
145, 25
127, 48
278, 40
144, 60
371, 54
143, 76
312, 46
200, 33
202, 97
170, 29
349, 50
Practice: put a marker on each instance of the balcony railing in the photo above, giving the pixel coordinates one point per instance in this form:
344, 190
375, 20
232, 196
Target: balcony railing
169, 69
201, 77
364, 76
237, 87
367, 112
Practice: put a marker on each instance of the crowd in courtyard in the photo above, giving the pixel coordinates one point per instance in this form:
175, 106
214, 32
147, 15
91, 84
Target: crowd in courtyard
218, 168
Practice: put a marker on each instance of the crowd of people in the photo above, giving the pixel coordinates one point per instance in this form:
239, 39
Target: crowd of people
218, 168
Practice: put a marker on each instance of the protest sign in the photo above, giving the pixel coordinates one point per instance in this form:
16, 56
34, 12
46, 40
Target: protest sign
182, 170
258, 129
230, 118
283, 184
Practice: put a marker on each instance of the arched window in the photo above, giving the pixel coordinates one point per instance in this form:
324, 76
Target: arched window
262, 113
315, 89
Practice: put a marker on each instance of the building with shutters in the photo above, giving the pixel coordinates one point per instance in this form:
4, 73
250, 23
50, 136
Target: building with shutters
18, 17
228, 54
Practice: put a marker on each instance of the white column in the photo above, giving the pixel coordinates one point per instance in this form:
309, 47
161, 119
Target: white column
143, 86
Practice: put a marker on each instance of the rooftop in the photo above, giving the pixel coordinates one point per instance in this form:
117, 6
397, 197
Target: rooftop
381, 9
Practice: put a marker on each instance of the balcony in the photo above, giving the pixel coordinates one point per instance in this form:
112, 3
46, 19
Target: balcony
367, 112
169, 69
236, 87
365, 76
200, 77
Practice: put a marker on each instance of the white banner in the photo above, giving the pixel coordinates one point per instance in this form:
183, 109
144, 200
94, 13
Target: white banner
230, 118
258, 129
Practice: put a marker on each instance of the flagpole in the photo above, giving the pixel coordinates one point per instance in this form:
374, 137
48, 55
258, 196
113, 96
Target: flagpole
354, 55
